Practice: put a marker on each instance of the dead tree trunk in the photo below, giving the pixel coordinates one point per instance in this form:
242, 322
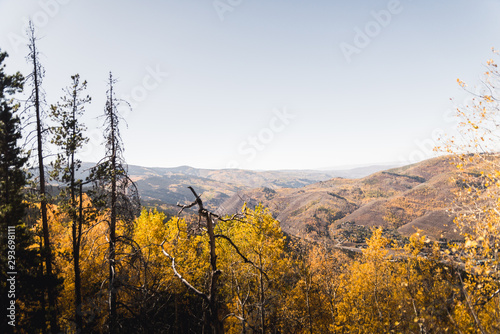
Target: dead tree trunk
36, 76
212, 312
211, 315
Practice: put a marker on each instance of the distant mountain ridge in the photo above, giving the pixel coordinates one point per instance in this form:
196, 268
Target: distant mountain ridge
169, 184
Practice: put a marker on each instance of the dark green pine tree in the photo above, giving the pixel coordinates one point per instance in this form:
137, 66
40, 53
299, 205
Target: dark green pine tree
11, 159
69, 136
25, 260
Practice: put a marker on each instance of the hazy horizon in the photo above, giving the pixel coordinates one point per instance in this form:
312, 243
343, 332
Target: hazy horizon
324, 169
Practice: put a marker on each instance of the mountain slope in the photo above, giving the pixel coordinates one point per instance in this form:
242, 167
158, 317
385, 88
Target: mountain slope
402, 199
169, 185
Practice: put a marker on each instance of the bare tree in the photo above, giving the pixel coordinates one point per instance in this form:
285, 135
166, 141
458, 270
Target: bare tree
36, 103
212, 313
116, 191
211, 298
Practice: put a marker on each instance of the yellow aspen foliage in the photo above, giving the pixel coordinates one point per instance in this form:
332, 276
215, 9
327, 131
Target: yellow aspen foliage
312, 305
427, 286
160, 288
189, 250
368, 305
92, 265
476, 207
255, 274
396, 290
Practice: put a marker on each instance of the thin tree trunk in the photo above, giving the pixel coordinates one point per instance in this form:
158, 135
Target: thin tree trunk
42, 296
47, 253
112, 227
243, 323
308, 289
77, 237
112, 257
470, 307
261, 297
213, 307
76, 227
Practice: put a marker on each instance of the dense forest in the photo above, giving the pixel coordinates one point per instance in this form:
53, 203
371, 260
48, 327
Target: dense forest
85, 257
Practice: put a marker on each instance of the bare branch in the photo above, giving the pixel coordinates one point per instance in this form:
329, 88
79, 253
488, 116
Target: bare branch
470, 307
234, 316
183, 280
185, 207
240, 254
198, 199
488, 299
236, 216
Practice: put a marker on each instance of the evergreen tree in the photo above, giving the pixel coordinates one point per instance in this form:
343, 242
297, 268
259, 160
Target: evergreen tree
11, 158
15, 236
68, 135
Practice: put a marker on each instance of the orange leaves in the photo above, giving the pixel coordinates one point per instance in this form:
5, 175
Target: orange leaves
461, 83
488, 98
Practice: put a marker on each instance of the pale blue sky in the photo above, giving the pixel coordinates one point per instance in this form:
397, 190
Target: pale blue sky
229, 79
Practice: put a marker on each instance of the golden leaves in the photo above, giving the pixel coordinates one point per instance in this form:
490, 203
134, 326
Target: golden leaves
461, 83
488, 98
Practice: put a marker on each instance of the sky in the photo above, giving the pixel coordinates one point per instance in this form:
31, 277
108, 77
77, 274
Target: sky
282, 84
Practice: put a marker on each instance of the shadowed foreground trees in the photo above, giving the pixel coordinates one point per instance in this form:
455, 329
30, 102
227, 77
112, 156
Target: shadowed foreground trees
211, 297
300, 289
36, 104
16, 239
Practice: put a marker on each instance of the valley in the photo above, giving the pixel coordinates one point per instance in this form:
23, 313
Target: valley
319, 205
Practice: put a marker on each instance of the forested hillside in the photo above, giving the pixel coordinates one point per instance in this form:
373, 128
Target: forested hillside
402, 200
168, 186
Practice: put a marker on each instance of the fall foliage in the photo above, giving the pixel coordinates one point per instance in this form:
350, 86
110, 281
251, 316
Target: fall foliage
92, 260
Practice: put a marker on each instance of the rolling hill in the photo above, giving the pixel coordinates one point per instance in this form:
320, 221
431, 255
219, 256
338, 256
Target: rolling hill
402, 199
169, 185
